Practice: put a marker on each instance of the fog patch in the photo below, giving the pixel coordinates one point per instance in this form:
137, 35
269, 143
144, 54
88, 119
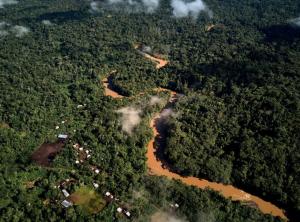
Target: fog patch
94, 6
182, 8
19, 30
47, 22
3, 32
151, 5
7, 2
130, 118
161, 216
130, 6
155, 100
295, 21
206, 217
167, 113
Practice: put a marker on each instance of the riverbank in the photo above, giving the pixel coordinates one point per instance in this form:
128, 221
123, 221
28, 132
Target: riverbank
157, 167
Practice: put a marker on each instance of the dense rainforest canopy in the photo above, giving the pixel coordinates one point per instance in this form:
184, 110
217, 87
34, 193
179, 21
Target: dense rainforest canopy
237, 123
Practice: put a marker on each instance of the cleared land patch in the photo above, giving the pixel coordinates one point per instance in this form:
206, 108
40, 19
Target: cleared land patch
45, 154
88, 199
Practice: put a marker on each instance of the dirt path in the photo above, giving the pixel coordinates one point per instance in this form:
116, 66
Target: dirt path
154, 165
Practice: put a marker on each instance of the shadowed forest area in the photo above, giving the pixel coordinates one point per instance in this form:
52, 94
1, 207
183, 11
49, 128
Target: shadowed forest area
237, 123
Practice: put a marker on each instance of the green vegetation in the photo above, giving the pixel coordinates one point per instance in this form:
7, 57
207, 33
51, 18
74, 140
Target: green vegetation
238, 122
88, 199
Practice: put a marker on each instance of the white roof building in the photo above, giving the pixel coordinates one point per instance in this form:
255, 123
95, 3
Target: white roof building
66, 203
62, 136
107, 194
96, 185
119, 209
76, 145
65, 192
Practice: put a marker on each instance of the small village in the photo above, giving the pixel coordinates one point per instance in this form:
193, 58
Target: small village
46, 153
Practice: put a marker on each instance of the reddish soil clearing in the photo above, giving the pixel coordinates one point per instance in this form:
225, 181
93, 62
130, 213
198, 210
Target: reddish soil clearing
46, 153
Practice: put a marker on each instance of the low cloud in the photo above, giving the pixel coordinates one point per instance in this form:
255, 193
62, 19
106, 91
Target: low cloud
295, 21
148, 6
166, 217
130, 118
155, 100
7, 2
181, 8
166, 113
184, 9
151, 5
19, 30
47, 22
94, 6
3, 32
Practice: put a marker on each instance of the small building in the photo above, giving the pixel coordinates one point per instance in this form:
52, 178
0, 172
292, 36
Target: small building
65, 192
62, 136
119, 210
96, 185
97, 171
66, 204
107, 194
76, 146
79, 106
127, 213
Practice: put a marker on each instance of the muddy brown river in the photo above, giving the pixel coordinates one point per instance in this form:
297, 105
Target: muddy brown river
155, 165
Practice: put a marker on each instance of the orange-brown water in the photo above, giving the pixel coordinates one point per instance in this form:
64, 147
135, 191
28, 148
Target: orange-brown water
160, 62
228, 191
155, 168
108, 91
